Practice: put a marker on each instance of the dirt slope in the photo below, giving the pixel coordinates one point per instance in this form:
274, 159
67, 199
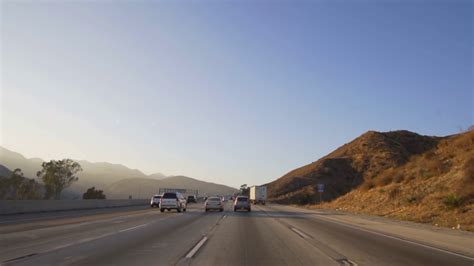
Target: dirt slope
399, 174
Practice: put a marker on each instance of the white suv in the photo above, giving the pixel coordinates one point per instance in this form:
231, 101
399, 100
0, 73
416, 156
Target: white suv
155, 201
172, 200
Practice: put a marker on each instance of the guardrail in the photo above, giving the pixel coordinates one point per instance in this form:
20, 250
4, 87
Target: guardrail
32, 206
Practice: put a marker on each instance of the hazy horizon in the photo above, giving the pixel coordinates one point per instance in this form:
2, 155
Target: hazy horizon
228, 92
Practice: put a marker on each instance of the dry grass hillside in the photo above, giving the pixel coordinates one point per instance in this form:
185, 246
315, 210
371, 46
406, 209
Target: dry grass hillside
397, 174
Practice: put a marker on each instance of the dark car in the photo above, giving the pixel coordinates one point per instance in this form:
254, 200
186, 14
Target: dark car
192, 199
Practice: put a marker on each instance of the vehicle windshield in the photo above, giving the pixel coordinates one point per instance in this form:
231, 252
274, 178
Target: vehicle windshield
213, 199
237, 132
169, 196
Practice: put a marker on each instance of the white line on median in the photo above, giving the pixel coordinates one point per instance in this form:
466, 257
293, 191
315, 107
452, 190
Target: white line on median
303, 235
196, 248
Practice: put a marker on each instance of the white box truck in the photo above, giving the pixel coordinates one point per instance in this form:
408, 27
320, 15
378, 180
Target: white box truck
258, 194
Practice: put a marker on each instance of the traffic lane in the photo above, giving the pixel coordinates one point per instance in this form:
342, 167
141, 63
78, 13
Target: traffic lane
363, 246
37, 241
52, 219
41, 216
254, 238
163, 241
457, 241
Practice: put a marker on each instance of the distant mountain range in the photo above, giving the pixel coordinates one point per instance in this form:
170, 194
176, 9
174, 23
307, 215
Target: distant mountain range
117, 180
138, 187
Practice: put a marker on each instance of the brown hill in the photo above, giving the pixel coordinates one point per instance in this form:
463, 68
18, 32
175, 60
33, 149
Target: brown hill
399, 174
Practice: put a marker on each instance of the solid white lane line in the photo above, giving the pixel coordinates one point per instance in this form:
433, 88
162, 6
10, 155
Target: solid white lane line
84, 240
78, 242
196, 248
352, 262
132, 228
303, 235
395, 238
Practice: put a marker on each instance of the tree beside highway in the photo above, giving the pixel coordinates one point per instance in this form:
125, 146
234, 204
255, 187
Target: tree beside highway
58, 175
244, 190
18, 187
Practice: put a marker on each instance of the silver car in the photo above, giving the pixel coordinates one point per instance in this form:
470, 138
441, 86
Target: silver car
172, 200
214, 203
242, 202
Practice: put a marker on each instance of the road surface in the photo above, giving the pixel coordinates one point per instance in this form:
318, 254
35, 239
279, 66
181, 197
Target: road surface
269, 235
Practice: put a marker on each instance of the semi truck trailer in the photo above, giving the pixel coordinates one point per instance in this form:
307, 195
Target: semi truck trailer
258, 194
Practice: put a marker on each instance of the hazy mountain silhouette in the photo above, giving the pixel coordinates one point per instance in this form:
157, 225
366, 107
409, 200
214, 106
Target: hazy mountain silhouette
146, 187
116, 179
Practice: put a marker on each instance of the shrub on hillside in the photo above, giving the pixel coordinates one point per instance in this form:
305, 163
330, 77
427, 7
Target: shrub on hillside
452, 201
469, 171
394, 192
411, 199
389, 176
465, 188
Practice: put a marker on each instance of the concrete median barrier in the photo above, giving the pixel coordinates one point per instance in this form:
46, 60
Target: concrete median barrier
32, 206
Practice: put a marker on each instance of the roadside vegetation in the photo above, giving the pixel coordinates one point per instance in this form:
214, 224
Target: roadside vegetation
93, 193
54, 177
16, 186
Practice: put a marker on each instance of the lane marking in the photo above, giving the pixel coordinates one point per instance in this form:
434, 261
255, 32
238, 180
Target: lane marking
332, 220
347, 262
76, 243
303, 235
395, 238
89, 239
352, 262
84, 240
196, 248
46, 217
132, 228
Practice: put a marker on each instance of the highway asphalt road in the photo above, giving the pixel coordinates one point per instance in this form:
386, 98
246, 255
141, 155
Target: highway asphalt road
269, 235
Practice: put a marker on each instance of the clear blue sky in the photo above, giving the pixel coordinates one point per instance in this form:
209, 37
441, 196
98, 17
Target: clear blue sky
228, 91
